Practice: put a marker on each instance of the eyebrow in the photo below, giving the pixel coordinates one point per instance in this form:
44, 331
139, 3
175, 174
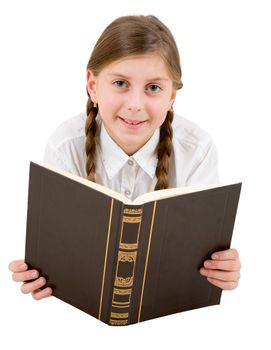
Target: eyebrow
128, 78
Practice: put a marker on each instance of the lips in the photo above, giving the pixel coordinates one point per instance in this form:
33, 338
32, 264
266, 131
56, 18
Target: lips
132, 122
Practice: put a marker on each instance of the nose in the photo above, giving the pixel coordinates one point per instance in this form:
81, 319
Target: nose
135, 101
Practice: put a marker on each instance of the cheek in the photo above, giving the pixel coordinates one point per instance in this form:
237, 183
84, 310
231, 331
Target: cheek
108, 105
111, 101
159, 111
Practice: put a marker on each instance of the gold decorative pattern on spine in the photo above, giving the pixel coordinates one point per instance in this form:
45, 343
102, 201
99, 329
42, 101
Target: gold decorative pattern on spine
132, 220
128, 246
105, 257
127, 256
132, 211
125, 269
121, 297
122, 291
118, 322
119, 315
124, 282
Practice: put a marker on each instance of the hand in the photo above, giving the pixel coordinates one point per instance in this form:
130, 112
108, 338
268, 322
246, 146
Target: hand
22, 274
223, 270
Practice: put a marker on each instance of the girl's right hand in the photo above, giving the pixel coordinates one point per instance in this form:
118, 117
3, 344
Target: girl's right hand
22, 274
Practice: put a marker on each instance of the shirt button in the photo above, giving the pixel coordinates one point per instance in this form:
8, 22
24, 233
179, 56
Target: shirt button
127, 192
130, 162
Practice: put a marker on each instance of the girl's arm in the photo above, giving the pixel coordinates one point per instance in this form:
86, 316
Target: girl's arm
223, 270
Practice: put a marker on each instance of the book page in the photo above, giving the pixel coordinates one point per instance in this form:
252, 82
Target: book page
105, 190
144, 198
171, 192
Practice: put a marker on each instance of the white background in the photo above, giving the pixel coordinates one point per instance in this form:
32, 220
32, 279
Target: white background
225, 55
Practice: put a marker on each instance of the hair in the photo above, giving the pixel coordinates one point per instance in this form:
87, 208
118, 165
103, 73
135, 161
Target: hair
130, 36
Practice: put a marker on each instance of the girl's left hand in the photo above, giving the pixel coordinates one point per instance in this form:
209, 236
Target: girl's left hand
223, 270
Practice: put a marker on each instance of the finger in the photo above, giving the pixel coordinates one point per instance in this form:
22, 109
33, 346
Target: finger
228, 265
40, 294
17, 266
229, 254
30, 287
222, 284
221, 275
25, 276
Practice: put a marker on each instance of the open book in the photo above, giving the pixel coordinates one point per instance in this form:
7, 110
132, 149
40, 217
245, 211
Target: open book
126, 261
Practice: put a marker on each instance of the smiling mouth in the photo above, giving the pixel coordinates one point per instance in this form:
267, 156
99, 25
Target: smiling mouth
132, 122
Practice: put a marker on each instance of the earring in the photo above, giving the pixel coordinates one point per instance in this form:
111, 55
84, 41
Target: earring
95, 104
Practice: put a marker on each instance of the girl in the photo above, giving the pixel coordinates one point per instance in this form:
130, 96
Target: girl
132, 141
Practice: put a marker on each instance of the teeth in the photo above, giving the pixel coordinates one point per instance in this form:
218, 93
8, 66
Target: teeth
131, 122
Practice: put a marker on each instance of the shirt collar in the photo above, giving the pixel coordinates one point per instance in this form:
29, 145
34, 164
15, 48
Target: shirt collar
146, 156
114, 158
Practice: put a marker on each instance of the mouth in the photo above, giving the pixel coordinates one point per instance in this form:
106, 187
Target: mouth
131, 122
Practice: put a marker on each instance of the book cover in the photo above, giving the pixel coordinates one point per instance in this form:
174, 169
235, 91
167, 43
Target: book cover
120, 261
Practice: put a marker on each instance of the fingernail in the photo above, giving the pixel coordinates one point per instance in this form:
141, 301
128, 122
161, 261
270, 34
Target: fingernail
42, 280
207, 263
23, 266
34, 274
215, 256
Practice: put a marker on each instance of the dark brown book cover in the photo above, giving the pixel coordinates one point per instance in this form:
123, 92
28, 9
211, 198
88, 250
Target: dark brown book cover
125, 263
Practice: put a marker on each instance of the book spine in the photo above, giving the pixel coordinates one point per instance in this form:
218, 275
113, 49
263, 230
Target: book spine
125, 265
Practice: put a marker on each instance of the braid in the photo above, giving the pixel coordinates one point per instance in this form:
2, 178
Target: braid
164, 149
90, 131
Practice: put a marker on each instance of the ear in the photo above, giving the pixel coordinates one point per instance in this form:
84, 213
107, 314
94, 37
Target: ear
172, 99
91, 85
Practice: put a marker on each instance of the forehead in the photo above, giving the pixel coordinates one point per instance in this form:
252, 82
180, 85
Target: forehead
143, 65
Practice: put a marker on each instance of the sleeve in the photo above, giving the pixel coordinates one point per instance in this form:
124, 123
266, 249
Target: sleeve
55, 157
206, 169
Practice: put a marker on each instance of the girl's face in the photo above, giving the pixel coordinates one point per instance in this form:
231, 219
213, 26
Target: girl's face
133, 96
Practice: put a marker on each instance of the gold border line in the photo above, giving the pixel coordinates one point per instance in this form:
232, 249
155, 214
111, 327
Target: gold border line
105, 257
146, 263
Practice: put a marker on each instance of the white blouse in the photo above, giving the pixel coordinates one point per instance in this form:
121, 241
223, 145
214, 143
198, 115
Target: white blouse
193, 160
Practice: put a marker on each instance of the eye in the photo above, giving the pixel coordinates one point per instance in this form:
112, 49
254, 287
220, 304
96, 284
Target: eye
154, 88
120, 83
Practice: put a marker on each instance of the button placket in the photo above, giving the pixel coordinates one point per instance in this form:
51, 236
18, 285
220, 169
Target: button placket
128, 178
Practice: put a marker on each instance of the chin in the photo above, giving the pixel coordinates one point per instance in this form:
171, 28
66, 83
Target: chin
130, 148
